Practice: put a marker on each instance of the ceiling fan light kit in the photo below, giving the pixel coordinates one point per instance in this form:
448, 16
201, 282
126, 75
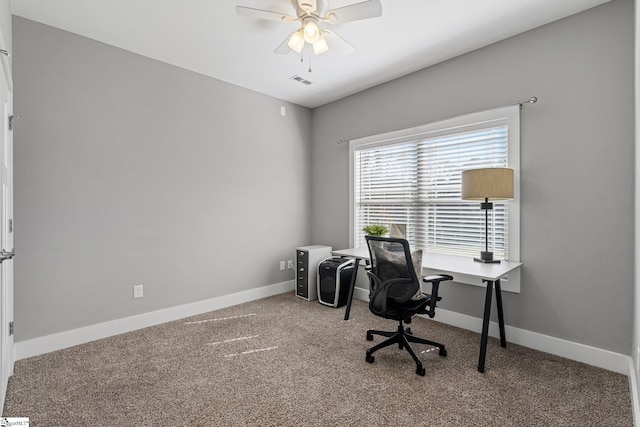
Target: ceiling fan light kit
310, 13
311, 30
320, 46
296, 41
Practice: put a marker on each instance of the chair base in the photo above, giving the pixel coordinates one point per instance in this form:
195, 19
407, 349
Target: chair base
402, 337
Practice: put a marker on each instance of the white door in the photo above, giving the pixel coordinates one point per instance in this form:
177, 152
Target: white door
6, 235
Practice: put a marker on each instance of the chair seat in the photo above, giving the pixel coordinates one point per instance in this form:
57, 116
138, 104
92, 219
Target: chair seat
407, 309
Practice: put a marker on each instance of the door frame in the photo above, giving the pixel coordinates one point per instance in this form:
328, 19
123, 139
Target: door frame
7, 349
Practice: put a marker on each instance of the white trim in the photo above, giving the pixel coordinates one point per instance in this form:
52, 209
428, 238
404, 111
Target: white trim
6, 63
434, 128
481, 119
594, 356
635, 336
361, 294
514, 204
579, 352
570, 350
633, 388
352, 208
58, 341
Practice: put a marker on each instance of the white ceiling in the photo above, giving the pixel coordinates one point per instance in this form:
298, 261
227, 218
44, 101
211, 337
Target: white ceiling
208, 37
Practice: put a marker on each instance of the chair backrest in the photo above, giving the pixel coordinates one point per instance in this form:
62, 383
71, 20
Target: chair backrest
391, 258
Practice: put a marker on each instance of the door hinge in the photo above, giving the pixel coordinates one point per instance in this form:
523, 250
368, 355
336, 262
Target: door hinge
11, 226
11, 120
11, 330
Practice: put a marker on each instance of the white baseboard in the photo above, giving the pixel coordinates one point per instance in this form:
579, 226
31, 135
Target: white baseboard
594, 356
58, 341
582, 353
579, 352
633, 388
570, 350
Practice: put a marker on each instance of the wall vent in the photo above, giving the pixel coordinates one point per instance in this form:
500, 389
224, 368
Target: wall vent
301, 80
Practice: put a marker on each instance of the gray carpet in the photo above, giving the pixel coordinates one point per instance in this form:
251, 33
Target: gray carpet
282, 361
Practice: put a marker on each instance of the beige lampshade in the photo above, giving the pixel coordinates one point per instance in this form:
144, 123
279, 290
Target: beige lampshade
490, 183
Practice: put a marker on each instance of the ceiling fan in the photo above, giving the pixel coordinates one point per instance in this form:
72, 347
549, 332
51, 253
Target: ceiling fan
310, 13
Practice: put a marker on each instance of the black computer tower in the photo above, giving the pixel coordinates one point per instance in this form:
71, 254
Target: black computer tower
334, 279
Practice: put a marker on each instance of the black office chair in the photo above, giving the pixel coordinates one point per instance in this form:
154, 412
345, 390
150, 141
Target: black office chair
396, 294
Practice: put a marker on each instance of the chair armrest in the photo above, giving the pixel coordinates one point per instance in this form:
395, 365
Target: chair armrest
437, 278
435, 284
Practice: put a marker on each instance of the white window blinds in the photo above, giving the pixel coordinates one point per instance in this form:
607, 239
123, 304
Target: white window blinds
414, 179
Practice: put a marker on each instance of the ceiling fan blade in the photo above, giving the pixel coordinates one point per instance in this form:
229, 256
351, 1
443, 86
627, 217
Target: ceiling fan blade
284, 48
263, 14
354, 12
337, 43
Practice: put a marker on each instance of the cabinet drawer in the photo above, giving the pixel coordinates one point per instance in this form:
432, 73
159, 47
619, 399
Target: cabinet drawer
302, 256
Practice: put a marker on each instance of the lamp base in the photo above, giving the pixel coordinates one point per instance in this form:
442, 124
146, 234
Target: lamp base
487, 258
487, 261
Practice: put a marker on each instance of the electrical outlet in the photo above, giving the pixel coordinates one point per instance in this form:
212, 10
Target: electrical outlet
281, 265
290, 265
138, 291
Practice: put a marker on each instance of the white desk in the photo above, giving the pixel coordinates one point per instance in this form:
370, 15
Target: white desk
452, 264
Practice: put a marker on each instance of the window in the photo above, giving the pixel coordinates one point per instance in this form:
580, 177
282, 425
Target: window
412, 177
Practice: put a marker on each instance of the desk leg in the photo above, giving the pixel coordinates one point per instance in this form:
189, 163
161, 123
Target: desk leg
485, 325
503, 340
352, 285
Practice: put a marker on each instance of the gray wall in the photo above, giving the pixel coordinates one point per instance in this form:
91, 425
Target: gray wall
576, 166
128, 171
132, 171
636, 318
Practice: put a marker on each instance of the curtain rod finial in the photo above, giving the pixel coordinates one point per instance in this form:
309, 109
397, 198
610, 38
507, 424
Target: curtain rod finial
531, 100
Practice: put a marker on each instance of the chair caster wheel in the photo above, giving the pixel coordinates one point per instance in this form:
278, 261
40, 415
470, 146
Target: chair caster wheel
369, 337
369, 358
442, 352
421, 371
408, 331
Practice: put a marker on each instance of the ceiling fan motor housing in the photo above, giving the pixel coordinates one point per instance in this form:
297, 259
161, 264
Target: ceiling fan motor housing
310, 13
316, 7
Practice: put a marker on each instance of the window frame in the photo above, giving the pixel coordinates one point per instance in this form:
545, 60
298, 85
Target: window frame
511, 116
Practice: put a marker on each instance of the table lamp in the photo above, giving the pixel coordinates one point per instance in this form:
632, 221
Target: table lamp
487, 184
